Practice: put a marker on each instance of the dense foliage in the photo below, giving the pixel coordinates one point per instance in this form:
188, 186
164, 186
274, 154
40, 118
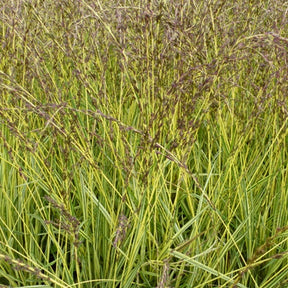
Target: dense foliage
143, 143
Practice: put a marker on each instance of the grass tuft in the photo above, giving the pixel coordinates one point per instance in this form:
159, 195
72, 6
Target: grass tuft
143, 144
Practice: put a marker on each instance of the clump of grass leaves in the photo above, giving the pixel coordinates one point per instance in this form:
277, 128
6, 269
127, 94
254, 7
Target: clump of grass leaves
143, 143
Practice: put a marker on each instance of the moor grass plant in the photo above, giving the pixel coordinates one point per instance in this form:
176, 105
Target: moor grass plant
143, 143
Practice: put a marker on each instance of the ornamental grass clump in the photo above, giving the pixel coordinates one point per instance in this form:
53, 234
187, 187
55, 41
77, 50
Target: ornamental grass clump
143, 144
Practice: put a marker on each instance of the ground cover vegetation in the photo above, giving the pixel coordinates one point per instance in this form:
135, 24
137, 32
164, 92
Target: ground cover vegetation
143, 143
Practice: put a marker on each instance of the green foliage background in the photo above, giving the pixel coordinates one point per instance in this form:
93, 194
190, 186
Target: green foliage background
143, 143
